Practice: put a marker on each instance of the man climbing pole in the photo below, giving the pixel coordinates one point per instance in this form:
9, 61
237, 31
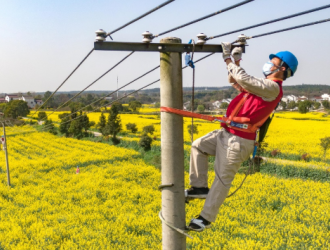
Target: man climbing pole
232, 145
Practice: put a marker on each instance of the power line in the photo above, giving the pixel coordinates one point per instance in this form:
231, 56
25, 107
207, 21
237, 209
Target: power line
91, 83
102, 98
108, 34
106, 104
202, 58
260, 35
271, 21
64, 81
291, 28
138, 18
205, 17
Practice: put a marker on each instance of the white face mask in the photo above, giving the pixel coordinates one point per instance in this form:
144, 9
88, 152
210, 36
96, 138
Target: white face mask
268, 65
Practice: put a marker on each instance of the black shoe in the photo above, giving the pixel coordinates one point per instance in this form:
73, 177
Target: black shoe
199, 224
195, 192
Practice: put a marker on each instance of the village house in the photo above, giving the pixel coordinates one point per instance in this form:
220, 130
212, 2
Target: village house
302, 98
316, 99
289, 98
39, 102
218, 103
11, 98
31, 102
325, 97
186, 105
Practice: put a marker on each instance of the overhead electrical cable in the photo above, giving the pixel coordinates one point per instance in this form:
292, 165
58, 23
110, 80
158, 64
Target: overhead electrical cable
256, 36
271, 21
291, 28
108, 34
90, 84
64, 81
106, 104
202, 58
111, 93
205, 17
138, 18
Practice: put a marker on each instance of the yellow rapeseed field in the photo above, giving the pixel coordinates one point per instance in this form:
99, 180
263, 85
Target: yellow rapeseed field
290, 132
294, 133
113, 203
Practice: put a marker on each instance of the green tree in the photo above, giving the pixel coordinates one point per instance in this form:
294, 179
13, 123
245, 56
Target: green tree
135, 105
118, 105
283, 105
50, 102
3, 107
200, 108
75, 129
292, 105
157, 105
113, 126
326, 104
316, 105
49, 127
85, 123
149, 129
224, 105
303, 107
192, 130
145, 142
65, 124
75, 106
41, 115
102, 123
89, 108
325, 144
79, 126
132, 127
16, 108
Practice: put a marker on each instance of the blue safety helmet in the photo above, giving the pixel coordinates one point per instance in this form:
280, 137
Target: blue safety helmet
288, 58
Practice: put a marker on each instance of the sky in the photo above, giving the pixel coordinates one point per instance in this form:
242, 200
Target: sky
41, 42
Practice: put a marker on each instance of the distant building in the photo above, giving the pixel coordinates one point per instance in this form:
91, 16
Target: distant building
11, 98
302, 98
2, 100
186, 105
218, 103
289, 98
316, 99
228, 100
38, 102
325, 97
29, 100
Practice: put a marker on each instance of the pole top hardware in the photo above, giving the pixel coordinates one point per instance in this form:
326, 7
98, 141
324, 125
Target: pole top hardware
201, 38
147, 37
100, 35
242, 39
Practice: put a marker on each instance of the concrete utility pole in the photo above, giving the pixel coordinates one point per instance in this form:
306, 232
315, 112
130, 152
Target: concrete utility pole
173, 200
4, 143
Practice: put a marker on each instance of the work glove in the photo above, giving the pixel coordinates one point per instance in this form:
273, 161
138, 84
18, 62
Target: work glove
226, 47
237, 54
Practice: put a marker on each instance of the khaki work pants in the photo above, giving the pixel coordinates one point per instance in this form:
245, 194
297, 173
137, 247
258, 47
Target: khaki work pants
230, 151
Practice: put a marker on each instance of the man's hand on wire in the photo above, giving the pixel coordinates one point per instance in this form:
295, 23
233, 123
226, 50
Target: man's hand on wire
237, 54
226, 47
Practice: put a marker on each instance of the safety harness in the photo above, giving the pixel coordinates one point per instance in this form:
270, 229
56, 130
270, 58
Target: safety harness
234, 122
